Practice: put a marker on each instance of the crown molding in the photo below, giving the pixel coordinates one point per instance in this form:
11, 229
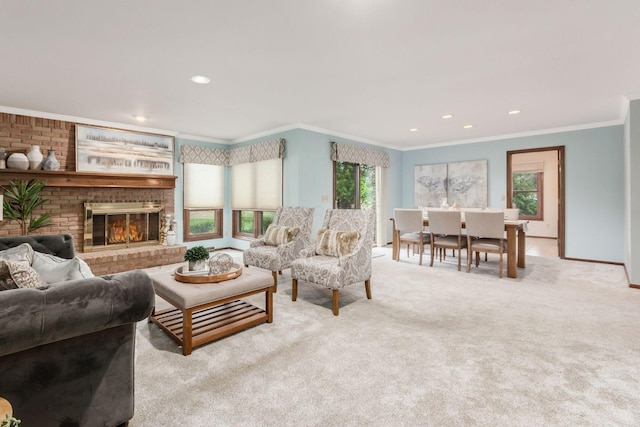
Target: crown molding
84, 121
203, 139
264, 133
632, 96
519, 135
312, 128
626, 99
347, 136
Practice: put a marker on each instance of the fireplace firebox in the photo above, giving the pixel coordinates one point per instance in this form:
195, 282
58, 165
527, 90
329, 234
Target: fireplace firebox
121, 225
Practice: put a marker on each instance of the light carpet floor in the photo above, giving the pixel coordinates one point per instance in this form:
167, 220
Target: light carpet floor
559, 345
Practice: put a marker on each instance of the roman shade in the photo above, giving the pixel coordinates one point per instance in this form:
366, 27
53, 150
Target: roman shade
256, 175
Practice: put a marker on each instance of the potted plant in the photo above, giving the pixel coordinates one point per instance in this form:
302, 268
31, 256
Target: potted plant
197, 257
10, 422
21, 199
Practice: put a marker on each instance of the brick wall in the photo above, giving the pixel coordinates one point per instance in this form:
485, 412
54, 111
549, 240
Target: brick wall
66, 204
19, 133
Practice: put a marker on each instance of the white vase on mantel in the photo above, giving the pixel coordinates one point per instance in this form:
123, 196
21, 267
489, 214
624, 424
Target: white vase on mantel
18, 161
35, 157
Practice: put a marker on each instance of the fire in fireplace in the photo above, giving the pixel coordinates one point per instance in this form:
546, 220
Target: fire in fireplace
113, 225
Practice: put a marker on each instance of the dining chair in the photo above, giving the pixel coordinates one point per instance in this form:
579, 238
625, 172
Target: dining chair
410, 229
446, 233
512, 214
485, 233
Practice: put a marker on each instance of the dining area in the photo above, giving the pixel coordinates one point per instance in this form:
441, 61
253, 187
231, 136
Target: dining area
471, 231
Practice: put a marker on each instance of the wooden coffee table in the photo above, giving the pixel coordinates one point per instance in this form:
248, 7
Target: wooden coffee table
208, 311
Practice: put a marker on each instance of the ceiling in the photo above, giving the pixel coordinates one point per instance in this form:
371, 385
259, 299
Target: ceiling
365, 69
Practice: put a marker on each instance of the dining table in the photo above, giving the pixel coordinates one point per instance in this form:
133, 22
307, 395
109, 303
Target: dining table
516, 243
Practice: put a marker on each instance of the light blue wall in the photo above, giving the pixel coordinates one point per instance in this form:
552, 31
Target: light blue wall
594, 186
308, 174
632, 192
307, 178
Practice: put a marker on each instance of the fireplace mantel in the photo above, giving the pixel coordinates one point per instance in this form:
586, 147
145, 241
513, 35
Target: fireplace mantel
85, 179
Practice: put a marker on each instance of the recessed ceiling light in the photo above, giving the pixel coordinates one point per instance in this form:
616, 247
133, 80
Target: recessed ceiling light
413, 130
467, 126
139, 118
201, 80
514, 112
447, 116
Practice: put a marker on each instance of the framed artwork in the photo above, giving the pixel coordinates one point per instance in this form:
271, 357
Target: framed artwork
116, 151
468, 184
430, 184
461, 183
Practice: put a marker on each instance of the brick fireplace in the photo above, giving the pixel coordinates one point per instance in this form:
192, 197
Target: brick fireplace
68, 191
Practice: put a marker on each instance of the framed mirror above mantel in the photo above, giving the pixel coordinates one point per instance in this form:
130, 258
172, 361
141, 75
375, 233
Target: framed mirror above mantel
88, 179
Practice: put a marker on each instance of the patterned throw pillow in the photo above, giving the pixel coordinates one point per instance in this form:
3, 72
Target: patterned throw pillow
336, 243
6, 282
278, 235
16, 274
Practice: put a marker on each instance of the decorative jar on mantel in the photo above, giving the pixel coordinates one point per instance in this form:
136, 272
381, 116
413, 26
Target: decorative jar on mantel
51, 163
35, 157
18, 161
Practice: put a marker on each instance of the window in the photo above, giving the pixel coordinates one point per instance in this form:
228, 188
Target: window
256, 192
203, 201
527, 194
251, 224
354, 186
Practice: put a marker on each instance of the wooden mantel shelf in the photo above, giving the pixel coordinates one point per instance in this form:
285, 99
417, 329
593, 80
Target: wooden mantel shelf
86, 179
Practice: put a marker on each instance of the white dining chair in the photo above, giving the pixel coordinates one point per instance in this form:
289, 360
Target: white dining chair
409, 229
485, 233
446, 233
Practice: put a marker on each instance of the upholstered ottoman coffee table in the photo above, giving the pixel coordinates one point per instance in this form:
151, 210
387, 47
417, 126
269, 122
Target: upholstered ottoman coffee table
207, 311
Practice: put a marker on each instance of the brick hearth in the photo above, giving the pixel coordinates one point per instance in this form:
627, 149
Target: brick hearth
115, 261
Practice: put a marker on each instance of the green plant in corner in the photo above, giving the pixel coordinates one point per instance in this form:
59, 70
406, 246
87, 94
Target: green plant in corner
21, 199
196, 253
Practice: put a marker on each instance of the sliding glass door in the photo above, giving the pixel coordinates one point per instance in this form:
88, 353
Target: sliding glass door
354, 187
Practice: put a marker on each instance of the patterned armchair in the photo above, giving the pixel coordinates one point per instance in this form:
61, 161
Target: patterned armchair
281, 243
341, 255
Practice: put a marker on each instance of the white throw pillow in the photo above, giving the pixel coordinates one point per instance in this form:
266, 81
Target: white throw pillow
21, 253
54, 269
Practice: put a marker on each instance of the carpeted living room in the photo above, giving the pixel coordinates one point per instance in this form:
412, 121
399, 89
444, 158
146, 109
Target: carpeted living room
274, 213
434, 346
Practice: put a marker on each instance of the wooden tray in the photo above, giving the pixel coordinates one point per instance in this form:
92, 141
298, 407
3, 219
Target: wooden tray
204, 277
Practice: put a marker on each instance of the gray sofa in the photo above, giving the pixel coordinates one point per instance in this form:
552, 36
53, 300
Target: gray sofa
67, 349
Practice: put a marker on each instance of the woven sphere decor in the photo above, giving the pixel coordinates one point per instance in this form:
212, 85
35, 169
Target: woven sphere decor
220, 263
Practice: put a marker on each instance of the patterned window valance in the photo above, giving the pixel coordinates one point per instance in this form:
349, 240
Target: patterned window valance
266, 150
204, 155
240, 155
362, 155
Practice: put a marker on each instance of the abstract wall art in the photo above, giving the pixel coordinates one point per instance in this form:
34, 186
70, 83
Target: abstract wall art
116, 151
462, 183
